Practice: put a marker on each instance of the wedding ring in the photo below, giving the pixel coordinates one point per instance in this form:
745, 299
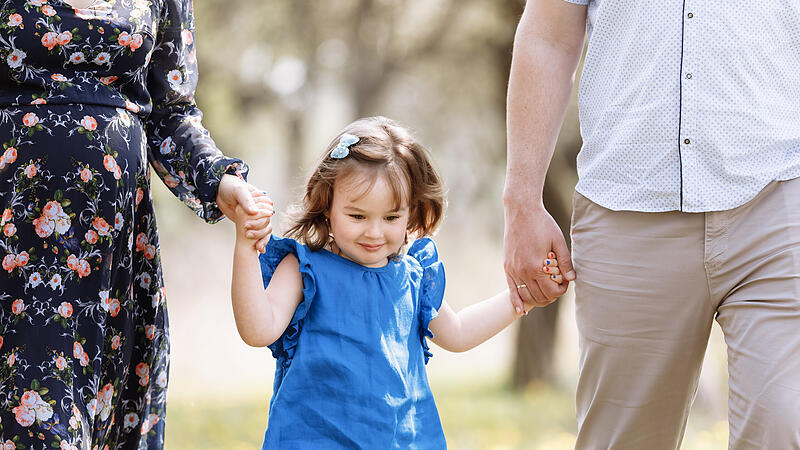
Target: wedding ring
523, 285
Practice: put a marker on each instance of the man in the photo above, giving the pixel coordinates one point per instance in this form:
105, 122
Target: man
687, 207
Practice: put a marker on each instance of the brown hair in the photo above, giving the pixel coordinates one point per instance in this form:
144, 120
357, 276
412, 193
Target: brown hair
384, 148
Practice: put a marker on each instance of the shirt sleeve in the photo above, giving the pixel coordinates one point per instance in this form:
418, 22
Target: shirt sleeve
431, 287
180, 150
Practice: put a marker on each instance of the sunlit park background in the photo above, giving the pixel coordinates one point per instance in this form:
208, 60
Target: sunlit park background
278, 79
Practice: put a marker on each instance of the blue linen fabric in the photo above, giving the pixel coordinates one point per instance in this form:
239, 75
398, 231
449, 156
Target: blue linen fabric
350, 369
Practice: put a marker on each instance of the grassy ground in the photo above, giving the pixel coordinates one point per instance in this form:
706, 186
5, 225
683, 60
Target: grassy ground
476, 415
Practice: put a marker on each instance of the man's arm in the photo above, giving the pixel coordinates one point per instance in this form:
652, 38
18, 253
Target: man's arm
547, 48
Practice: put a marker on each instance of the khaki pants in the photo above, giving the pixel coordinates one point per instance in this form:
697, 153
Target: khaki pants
649, 286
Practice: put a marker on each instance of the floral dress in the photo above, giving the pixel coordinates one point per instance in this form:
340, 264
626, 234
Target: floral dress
89, 97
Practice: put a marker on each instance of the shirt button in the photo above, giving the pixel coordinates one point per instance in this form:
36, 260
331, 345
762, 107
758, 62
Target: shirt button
690, 15
688, 76
687, 141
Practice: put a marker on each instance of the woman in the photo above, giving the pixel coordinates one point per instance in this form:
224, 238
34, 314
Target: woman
89, 94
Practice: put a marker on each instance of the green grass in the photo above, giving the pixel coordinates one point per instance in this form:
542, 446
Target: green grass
476, 415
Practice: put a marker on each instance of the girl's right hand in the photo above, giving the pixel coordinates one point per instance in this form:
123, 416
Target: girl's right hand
249, 225
550, 267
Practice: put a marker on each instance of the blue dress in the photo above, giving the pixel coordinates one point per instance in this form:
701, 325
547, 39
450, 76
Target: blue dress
350, 369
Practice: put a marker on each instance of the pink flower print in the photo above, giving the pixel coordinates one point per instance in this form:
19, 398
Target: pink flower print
25, 416
143, 372
148, 423
113, 307
186, 37
72, 262
116, 341
9, 229
61, 363
102, 227
118, 221
15, 58
167, 146
44, 227
89, 123
52, 209
37, 2
64, 38
91, 408
9, 445
150, 251
17, 307
1, 341
12, 358
109, 163
50, 40
106, 394
48, 11
65, 310
171, 181
136, 42
132, 107
14, 20
145, 282
30, 119
117, 172
58, 77
7, 214
10, 155
77, 350
124, 39
9, 262
139, 196
141, 242
39, 101
63, 223
86, 174
150, 332
31, 170
91, 236
84, 269
55, 282
84, 359
77, 58
22, 258
108, 80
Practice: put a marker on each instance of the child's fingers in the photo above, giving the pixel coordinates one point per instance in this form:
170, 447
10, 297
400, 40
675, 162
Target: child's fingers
550, 262
551, 270
558, 279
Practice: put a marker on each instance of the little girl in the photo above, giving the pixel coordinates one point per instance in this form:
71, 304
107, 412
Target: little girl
346, 312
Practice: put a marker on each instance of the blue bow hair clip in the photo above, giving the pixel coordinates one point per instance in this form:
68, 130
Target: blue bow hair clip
343, 148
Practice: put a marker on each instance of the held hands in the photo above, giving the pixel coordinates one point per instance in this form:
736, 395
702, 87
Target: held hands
234, 192
535, 282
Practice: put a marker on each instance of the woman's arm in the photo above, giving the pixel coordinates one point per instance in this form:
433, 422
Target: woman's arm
262, 315
459, 332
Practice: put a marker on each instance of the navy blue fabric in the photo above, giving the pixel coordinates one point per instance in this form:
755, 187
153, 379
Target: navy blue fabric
350, 369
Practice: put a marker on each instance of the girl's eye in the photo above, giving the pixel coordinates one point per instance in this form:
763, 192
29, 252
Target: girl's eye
357, 216
392, 218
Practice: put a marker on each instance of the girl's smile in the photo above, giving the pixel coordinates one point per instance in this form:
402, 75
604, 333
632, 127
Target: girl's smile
367, 227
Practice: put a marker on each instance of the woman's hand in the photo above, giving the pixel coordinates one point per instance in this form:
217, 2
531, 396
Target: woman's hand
234, 191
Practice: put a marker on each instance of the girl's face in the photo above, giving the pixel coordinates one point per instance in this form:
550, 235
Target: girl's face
365, 225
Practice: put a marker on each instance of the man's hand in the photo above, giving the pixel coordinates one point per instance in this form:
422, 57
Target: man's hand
233, 192
531, 238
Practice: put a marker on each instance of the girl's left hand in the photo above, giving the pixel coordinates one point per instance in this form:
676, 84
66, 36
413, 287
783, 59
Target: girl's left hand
234, 191
550, 267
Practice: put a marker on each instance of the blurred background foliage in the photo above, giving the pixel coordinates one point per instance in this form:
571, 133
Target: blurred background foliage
279, 79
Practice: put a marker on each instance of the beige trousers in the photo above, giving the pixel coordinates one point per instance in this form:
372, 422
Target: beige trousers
649, 286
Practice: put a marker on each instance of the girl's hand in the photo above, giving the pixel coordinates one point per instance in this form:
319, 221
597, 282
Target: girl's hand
255, 228
549, 267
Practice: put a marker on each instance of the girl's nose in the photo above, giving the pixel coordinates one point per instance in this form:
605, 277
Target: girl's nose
373, 230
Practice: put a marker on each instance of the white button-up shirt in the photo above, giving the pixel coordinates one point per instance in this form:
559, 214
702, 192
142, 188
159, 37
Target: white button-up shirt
689, 105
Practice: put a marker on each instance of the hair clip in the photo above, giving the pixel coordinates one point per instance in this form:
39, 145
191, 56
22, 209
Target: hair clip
343, 149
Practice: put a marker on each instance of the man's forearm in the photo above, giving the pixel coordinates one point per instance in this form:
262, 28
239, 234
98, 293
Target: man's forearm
542, 75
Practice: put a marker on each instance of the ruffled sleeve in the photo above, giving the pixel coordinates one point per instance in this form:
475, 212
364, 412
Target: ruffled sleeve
277, 249
431, 287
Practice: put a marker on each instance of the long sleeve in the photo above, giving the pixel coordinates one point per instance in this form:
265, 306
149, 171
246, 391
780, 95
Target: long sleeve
180, 150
